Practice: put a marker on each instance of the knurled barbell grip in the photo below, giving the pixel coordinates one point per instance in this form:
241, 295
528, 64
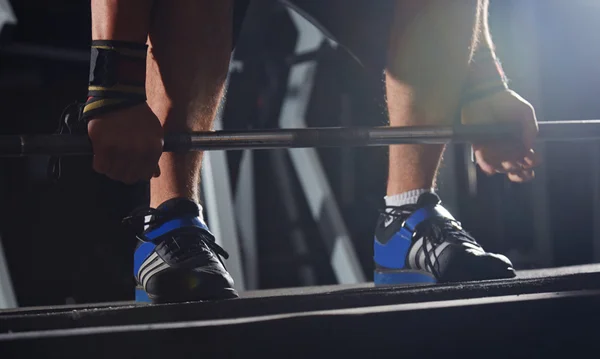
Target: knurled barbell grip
26, 145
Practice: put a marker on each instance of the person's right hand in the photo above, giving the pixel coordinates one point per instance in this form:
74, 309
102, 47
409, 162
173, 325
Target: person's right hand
127, 144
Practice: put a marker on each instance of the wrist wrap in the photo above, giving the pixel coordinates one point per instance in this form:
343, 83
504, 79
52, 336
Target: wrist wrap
117, 77
486, 77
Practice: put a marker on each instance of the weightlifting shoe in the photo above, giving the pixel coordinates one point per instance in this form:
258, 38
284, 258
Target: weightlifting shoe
178, 259
424, 244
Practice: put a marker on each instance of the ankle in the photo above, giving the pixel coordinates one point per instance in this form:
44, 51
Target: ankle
174, 201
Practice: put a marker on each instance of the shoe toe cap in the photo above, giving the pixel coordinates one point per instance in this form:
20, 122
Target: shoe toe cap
471, 265
188, 285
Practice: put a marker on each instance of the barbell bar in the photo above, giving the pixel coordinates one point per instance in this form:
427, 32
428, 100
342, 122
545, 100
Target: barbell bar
63, 145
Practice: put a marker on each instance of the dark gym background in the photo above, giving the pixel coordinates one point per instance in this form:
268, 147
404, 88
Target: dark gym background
64, 242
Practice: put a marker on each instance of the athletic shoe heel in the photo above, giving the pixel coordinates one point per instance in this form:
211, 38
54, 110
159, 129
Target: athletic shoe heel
141, 296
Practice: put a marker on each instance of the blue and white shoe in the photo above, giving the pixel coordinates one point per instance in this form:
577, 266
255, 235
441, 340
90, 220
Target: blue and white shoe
424, 244
178, 259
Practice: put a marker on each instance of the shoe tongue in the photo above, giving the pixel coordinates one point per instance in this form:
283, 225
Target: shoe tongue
180, 207
428, 199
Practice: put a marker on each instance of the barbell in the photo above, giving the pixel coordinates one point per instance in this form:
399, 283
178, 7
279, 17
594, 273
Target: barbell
63, 145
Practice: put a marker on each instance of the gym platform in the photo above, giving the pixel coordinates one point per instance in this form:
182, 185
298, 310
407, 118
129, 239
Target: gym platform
541, 312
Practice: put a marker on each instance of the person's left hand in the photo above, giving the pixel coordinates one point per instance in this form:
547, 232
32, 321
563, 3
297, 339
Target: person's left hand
516, 160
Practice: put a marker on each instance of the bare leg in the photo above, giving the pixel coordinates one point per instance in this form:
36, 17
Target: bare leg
431, 47
428, 57
190, 47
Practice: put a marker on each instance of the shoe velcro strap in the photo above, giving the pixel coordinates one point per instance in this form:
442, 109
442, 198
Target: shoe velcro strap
174, 224
420, 215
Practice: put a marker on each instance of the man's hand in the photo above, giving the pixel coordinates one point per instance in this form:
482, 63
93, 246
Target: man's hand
517, 160
127, 144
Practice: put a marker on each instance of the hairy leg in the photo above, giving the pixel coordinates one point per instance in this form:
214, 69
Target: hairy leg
430, 47
190, 47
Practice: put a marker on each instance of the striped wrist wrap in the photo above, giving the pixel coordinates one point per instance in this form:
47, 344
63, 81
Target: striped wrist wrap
117, 77
486, 77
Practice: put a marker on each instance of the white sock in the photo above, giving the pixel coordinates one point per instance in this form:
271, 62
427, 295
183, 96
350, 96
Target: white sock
410, 197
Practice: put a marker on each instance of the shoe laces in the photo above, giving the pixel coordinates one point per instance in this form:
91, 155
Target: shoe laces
434, 231
159, 217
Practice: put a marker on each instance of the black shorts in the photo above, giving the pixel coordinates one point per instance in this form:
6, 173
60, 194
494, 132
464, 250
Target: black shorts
360, 26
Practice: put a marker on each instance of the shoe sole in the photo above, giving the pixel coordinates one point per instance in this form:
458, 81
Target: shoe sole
402, 277
143, 297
